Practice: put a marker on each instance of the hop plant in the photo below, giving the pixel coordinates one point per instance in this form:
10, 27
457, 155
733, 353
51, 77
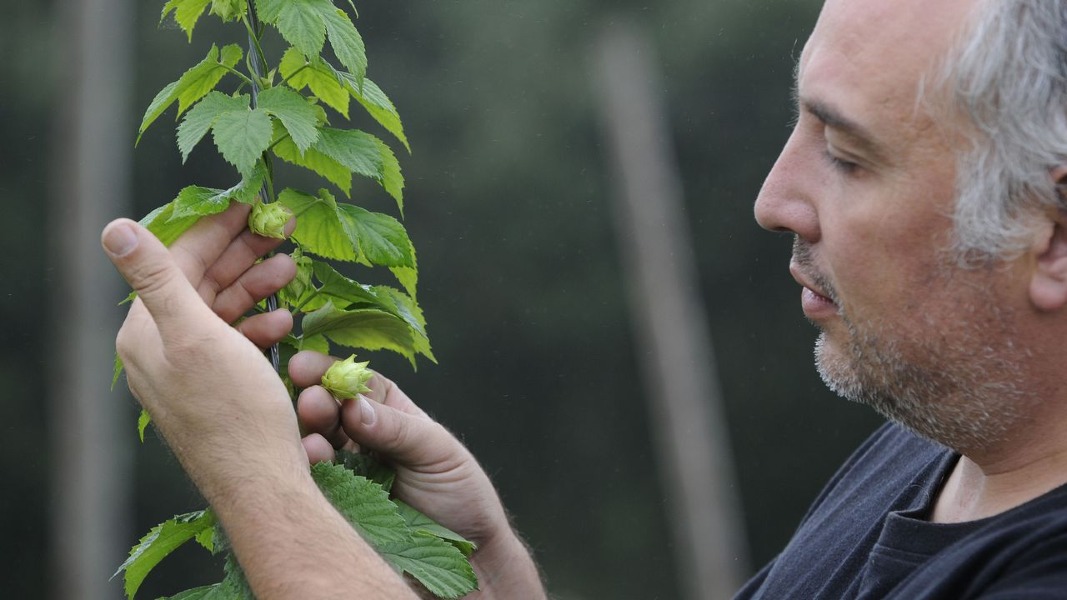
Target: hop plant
268, 220
347, 378
286, 111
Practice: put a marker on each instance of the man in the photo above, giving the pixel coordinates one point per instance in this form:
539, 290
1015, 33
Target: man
920, 184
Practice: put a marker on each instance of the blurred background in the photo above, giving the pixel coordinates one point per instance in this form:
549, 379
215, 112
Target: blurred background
512, 200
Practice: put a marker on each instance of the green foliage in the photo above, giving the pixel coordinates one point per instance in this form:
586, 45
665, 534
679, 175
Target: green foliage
279, 110
158, 543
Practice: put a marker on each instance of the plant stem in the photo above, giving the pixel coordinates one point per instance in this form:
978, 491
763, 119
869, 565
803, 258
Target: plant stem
257, 63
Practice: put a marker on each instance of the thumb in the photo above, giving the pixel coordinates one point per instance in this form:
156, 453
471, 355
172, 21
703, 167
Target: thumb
151, 271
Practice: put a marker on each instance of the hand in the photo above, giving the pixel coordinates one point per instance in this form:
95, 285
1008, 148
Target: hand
435, 473
182, 356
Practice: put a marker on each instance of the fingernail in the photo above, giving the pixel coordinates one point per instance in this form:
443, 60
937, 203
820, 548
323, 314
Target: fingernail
120, 239
366, 411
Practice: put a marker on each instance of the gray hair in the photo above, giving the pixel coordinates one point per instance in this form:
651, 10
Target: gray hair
1008, 75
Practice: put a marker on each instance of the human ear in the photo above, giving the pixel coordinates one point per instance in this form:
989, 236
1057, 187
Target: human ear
1048, 286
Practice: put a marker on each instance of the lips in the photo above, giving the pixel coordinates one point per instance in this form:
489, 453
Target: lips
816, 302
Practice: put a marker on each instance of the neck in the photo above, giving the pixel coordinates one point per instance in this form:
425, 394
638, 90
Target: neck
987, 484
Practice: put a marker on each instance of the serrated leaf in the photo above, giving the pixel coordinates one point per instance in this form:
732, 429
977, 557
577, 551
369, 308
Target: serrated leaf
229, 10
159, 222
207, 592
142, 424
391, 178
298, 117
268, 10
363, 503
377, 104
319, 229
242, 137
346, 42
367, 466
202, 78
366, 328
203, 116
117, 372
356, 150
437, 564
186, 13
343, 292
158, 106
299, 288
299, 72
300, 23
196, 201
317, 162
420, 522
158, 543
408, 277
381, 239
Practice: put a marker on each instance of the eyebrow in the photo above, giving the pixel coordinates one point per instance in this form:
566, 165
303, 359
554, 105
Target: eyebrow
833, 118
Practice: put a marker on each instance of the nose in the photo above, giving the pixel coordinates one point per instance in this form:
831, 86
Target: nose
786, 200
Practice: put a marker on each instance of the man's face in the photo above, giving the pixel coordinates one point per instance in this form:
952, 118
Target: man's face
866, 182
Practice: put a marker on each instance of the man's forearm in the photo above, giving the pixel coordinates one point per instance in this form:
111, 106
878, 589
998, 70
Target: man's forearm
292, 543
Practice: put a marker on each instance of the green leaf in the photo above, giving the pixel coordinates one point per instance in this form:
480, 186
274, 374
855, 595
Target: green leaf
202, 78
186, 13
437, 564
142, 423
202, 201
117, 371
377, 104
381, 238
171, 220
408, 277
299, 118
346, 293
159, 222
319, 229
362, 503
317, 162
391, 178
300, 287
203, 116
367, 466
300, 72
158, 106
158, 543
268, 10
207, 592
347, 232
420, 522
366, 328
229, 10
356, 150
300, 23
346, 42
242, 137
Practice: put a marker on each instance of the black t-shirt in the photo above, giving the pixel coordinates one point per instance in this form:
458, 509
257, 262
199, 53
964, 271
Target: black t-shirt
866, 536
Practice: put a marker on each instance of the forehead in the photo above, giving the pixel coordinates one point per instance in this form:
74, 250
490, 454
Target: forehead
874, 55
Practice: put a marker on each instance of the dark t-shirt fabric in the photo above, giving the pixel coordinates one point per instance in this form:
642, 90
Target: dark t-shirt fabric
866, 536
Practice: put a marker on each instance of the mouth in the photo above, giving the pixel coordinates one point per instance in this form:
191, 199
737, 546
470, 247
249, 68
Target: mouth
815, 299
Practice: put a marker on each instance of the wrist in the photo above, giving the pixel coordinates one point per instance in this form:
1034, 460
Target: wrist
506, 569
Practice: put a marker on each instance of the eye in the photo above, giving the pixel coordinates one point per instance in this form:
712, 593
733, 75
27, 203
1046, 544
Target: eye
838, 163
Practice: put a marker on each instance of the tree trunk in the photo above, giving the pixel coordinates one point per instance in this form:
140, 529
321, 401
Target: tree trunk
680, 377
90, 426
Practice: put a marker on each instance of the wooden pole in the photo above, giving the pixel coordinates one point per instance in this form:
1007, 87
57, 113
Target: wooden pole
90, 426
679, 367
